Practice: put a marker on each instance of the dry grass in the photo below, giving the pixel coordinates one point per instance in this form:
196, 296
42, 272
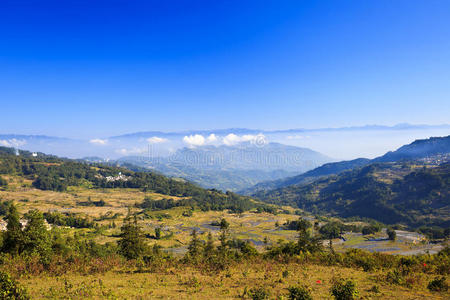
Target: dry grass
189, 283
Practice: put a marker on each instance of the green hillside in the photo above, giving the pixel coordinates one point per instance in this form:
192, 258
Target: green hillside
56, 174
434, 149
411, 193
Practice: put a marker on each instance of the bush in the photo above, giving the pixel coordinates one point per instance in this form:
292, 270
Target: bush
395, 277
9, 289
371, 229
258, 293
438, 285
344, 289
392, 235
299, 293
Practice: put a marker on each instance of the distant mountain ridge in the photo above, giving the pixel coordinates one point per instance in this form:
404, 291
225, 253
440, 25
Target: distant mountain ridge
161, 143
401, 126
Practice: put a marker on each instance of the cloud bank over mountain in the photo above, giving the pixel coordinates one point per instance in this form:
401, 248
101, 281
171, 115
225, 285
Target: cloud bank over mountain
340, 143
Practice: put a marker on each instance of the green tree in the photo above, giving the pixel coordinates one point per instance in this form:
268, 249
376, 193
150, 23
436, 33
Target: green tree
224, 224
223, 237
131, 243
303, 225
208, 250
194, 248
306, 242
331, 230
35, 235
158, 233
13, 240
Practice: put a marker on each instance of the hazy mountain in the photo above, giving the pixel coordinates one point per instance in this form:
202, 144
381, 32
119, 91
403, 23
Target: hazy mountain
233, 167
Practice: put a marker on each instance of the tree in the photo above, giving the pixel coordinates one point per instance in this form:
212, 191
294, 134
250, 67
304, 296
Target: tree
224, 224
331, 230
13, 242
306, 242
303, 225
208, 250
158, 233
223, 237
131, 243
392, 235
194, 248
35, 235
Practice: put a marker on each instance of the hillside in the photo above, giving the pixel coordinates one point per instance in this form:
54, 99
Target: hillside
419, 149
434, 150
324, 170
411, 193
57, 174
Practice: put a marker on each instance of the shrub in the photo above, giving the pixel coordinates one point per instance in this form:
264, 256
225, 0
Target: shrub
299, 293
258, 293
438, 285
395, 277
392, 235
9, 289
344, 289
371, 229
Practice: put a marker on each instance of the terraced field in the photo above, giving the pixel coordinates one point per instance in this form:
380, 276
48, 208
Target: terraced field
176, 227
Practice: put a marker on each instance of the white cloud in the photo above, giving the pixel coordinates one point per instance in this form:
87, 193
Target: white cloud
212, 138
156, 140
98, 142
5, 143
12, 143
131, 151
229, 140
233, 139
194, 140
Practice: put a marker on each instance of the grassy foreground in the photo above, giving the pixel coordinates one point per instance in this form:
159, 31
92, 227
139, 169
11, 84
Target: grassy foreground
193, 283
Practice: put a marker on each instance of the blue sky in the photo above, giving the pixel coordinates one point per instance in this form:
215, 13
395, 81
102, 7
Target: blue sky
100, 68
